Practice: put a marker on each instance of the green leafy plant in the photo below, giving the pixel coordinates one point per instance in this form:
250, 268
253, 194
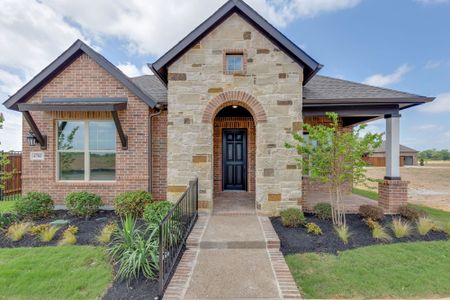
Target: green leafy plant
69, 236
48, 234
292, 217
133, 252
34, 205
83, 204
7, 219
343, 233
446, 227
37, 229
400, 228
323, 211
17, 231
155, 212
132, 203
334, 157
410, 213
313, 228
371, 211
424, 225
380, 233
105, 235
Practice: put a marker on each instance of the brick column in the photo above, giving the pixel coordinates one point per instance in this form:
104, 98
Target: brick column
393, 194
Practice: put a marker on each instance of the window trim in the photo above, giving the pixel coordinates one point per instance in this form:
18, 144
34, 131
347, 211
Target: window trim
226, 53
86, 150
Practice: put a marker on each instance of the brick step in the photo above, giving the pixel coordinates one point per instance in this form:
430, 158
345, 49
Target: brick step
233, 244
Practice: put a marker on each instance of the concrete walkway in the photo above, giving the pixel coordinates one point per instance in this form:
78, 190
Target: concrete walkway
233, 257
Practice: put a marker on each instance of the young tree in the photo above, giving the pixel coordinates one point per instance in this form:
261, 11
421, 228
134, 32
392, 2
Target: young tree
334, 157
3, 160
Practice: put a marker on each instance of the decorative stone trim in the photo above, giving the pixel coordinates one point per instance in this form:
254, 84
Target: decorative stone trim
234, 98
286, 285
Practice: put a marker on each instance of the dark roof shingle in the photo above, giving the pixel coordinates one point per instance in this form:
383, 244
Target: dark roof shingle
382, 149
152, 87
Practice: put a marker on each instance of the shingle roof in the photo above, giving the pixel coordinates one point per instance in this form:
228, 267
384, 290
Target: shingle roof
323, 87
152, 87
382, 149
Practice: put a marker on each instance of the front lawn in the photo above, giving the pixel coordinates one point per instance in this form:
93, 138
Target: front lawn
71, 272
384, 271
7, 206
366, 193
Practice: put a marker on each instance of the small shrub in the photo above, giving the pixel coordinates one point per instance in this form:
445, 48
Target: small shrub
424, 225
72, 229
400, 228
410, 213
83, 204
323, 211
7, 219
446, 228
37, 229
371, 211
155, 212
132, 203
313, 228
105, 235
371, 223
68, 237
133, 252
48, 234
292, 217
380, 233
34, 205
343, 233
16, 231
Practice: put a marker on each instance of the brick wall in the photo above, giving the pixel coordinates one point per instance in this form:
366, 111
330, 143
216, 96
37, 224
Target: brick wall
84, 78
159, 156
393, 194
234, 122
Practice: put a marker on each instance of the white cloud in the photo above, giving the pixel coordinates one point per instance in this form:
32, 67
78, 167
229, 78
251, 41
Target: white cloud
377, 126
434, 64
428, 127
447, 134
132, 70
388, 79
440, 105
10, 135
9, 82
433, 1
154, 28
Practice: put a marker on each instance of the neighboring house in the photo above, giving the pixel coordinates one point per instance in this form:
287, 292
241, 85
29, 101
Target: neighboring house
408, 156
220, 107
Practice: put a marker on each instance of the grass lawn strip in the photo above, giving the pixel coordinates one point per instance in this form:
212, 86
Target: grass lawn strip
7, 206
71, 272
400, 270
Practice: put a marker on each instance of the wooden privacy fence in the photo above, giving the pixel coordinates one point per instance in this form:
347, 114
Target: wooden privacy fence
13, 185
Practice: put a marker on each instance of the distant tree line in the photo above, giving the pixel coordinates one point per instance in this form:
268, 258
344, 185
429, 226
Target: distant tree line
434, 154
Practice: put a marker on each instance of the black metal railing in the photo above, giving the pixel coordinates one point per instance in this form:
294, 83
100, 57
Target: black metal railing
173, 232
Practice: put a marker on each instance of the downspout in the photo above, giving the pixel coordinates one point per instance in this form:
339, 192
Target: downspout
150, 144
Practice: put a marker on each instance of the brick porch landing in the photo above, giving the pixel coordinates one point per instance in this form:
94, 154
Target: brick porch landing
351, 202
234, 203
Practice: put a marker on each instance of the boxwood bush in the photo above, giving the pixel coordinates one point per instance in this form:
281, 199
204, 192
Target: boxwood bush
34, 205
372, 212
323, 211
132, 203
83, 204
7, 219
292, 217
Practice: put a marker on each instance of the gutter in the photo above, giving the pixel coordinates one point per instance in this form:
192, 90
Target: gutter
150, 144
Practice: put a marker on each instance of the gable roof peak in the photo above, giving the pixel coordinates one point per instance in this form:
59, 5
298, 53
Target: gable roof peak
64, 60
309, 65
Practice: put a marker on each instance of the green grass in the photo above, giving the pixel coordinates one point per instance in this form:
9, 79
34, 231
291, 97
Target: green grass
7, 206
400, 271
437, 215
70, 272
366, 193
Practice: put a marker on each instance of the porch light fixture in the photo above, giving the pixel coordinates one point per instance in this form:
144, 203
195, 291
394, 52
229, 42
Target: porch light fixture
235, 106
31, 138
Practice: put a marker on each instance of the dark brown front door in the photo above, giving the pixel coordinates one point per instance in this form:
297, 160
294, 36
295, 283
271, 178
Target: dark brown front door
234, 156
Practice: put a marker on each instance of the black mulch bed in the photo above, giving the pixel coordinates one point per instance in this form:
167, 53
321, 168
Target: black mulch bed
297, 240
88, 231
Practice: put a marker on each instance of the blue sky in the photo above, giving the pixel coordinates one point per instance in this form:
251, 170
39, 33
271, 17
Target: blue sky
401, 44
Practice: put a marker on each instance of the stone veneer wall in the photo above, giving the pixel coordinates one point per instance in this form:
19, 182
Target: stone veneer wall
84, 78
272, 81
